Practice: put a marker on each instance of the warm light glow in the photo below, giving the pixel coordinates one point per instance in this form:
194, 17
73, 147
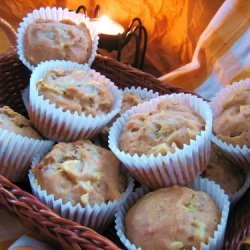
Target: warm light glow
107, 26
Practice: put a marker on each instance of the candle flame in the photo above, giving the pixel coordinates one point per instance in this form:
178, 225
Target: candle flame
105, 18
105, 25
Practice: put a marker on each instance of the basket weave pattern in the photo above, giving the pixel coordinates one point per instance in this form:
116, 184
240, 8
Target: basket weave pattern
13, 78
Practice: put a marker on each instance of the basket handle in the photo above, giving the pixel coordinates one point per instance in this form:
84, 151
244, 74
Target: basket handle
9, 31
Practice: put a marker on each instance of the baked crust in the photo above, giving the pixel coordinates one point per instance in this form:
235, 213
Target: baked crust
76, 91
80, 172
57, 40
161, 129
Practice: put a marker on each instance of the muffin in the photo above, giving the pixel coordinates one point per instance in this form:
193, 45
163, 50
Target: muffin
16, 123
81, 182
231, 109
56, 34
129, 100
80, 172
161, 129
76, 91
47, 39
172, 218
224, 172
19, 143
232, 125
68, 101
165, 141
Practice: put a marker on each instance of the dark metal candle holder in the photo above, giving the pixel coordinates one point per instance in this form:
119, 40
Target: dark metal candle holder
135, 31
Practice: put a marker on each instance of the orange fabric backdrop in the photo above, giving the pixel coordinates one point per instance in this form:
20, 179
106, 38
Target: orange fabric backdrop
222, 54
174, 26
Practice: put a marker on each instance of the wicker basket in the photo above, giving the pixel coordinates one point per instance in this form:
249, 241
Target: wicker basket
238, 228
14, 77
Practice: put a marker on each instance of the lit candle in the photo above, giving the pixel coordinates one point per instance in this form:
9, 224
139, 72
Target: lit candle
105, 25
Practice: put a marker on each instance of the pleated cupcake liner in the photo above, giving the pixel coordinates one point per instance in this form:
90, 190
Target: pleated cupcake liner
144, 93
237, 154
237, 195
200, 184
59, 125
54, 14
97, 216
17, 152
180, 167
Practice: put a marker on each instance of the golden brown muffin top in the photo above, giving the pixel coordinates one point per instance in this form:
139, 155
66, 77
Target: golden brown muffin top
62, 40
16, 123
80, 172
172, 218
232, 125
77, 91
223, 172
161, 129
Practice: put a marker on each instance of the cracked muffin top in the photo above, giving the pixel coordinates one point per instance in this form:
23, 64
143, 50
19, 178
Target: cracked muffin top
16, 123
57, 40
161, 129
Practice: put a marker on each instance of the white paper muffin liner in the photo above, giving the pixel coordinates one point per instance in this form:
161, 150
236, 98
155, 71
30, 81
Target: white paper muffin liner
239, 155
144, 93
97, 217
54, 14
59, 125
200, 184
236, 196
17, 152
180, 167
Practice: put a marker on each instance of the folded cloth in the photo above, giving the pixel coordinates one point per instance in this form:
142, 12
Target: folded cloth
222, 54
